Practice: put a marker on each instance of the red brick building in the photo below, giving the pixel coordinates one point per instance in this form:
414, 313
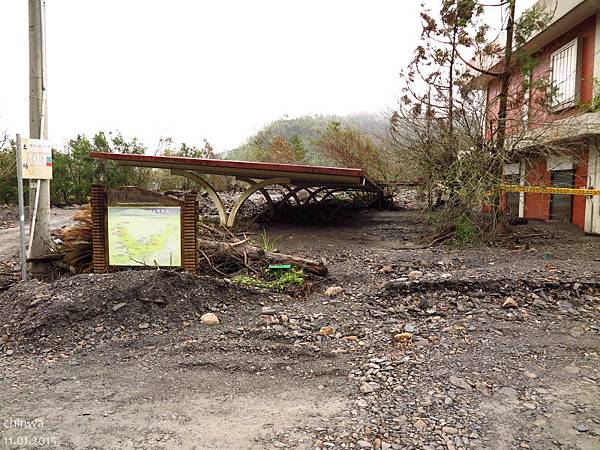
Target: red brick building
567, 55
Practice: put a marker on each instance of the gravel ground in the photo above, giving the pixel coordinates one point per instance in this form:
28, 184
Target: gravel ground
440, 348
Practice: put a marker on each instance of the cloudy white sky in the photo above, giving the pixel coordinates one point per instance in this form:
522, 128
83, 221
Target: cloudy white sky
191, 69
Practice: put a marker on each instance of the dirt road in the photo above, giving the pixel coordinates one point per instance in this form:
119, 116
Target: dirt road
9, 237
441, 348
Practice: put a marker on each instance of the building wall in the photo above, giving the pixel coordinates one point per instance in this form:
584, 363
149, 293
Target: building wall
537, 206
581, 179
586, 32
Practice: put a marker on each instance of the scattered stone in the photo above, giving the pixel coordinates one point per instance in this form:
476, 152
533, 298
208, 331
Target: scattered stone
333, 291
326, 331
508, 391
510, 303
573, 370
415, 275
460, 383
410, 328
118, 306
265, 319
403, 337
368, 388
209, 319
269, 310
420, 424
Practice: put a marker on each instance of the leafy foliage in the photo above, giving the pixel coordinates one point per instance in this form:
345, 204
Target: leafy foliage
275, 279
348, 147
75, 172
314, 140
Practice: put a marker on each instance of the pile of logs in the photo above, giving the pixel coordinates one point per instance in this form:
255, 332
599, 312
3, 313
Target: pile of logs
226, 252
76, 247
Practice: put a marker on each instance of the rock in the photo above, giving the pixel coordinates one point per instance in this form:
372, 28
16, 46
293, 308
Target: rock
377, 443
268, 320
333, 291
510, 303
386, 446
420, 424
460, 383
386, 269
99, 329
326, 331
363, 444
283, 318
269, 310
582, 428
143, 326
449, 430
410, 328
508, 391
10, 352
415, 275
4, 339
118, 306
403, 337
368, 388
209, 319
573, 370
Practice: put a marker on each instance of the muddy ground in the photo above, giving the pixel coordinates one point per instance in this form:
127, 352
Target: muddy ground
417, 351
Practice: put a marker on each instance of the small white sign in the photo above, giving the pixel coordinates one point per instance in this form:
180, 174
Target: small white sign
36, 157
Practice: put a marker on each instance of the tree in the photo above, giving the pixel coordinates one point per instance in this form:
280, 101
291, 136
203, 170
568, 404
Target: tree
442, 121
348, 147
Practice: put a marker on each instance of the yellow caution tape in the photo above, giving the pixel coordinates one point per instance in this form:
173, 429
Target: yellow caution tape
548, 190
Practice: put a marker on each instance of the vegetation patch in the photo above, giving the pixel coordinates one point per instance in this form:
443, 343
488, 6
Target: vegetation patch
276, 279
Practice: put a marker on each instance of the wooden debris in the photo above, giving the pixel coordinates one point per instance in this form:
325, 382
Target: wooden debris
246, 252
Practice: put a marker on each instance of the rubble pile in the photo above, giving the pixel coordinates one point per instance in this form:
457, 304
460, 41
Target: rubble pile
407, 199
8, 216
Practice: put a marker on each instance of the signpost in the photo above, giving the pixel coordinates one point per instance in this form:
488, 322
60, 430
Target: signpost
36, 159
34, 162
136, 227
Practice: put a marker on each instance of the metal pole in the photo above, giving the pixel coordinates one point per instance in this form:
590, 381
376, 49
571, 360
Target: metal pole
23, 251
38, 129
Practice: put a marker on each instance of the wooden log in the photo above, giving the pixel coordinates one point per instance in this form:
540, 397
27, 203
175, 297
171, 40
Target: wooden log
242, 249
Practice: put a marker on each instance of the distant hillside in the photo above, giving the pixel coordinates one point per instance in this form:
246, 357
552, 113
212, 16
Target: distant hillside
301, 134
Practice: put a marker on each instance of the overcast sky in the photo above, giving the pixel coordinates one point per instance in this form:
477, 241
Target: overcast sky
218, 69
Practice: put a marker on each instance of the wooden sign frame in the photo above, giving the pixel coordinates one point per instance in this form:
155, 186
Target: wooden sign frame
103, 197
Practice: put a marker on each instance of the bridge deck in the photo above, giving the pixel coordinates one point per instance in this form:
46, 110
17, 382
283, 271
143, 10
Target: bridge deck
297, 174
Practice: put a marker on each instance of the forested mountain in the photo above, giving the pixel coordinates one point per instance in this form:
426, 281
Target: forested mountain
299, 140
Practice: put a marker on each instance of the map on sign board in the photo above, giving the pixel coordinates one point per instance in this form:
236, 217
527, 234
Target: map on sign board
36, 157
140, 236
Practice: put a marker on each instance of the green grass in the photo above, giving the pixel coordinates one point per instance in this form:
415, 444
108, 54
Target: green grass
273, 279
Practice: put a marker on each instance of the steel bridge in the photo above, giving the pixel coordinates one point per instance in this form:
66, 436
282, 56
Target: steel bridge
318, 182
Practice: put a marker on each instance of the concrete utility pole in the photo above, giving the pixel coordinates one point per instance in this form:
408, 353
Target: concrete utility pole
38, 129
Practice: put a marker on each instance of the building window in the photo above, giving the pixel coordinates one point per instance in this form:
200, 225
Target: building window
564, 76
